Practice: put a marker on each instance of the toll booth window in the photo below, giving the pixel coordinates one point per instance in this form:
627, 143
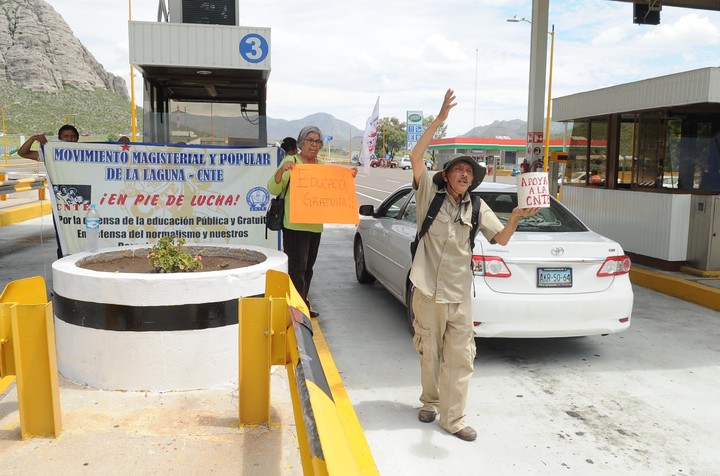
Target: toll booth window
648, 149
692, 160
669, 150
577, 164
598, 153
587, 153
625, 154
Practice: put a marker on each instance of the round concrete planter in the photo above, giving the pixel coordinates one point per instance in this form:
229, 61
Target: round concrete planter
159, 332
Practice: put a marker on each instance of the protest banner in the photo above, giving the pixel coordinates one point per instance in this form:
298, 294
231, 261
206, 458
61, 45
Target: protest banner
369, 142
144, 192
532, 190
323, 194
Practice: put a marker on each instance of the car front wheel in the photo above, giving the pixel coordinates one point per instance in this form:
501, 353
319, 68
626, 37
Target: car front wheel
361, 272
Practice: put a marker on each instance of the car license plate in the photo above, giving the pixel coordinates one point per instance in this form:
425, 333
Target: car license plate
554, 277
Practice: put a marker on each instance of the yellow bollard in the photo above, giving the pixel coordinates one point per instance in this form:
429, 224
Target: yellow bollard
254, 364
24, 304
7, 360
3, 177
278, 284
279, 323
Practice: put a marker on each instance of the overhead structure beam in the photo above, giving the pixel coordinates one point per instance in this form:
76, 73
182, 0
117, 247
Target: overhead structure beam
698, 4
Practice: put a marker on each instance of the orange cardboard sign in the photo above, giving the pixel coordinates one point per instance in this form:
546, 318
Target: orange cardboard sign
323, 194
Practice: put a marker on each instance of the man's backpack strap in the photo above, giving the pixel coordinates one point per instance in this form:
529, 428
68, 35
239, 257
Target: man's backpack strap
435, 206
475, 219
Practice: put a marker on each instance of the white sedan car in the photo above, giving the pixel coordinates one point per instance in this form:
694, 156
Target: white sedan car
404, 163
556, 278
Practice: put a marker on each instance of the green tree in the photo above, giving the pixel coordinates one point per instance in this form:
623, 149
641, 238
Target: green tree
392, 136
440, 132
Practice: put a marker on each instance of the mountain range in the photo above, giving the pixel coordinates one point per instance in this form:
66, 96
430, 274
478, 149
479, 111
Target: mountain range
48, 78
341, 131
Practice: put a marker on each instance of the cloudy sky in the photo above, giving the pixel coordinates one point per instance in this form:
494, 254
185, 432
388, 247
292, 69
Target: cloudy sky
338, 57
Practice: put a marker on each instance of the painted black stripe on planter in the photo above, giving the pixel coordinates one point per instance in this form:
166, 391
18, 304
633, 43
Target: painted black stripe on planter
114, 317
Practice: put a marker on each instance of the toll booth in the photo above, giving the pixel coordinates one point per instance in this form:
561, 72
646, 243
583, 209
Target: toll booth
204, 76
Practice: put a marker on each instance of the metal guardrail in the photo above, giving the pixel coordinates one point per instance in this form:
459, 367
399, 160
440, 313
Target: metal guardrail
28, 356
8, 186
275, 330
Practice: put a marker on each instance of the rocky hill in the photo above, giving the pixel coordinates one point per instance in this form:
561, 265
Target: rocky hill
39, 51
48, 78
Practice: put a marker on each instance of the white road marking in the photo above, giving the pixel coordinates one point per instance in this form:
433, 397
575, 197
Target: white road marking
371, 198
370, 188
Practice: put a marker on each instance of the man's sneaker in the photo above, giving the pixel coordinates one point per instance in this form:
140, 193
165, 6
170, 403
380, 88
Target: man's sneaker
314, 314
466, 434
427, 416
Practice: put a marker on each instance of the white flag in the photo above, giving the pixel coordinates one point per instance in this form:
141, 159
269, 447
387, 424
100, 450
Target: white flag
370, 137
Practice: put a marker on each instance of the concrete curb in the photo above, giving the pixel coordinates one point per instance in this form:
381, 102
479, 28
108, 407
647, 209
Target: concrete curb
697, 293
17, 214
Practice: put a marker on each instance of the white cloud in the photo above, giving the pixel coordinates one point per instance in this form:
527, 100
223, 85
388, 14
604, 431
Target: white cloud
338, 57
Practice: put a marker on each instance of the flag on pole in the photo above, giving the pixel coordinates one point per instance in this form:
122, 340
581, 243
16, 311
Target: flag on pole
370, 137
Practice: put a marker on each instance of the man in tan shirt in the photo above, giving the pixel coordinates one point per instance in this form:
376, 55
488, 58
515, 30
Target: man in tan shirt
442, 277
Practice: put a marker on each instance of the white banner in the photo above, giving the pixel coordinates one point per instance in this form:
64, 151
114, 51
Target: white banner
144, 192
370, 137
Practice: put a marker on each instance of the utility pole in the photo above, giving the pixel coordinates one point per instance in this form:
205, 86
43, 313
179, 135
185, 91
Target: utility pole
476, 82
384, 149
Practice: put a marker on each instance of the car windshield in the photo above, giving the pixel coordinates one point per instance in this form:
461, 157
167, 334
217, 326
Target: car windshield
556, 218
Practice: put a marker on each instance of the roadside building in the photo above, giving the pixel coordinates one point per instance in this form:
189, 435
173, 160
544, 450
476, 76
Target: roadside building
507, 152
644, 166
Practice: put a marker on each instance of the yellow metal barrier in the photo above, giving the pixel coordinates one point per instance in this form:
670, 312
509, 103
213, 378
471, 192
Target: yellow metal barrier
276, 330
8, 186
27, 354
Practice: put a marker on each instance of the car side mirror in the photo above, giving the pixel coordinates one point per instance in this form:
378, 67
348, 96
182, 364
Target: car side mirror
367, 210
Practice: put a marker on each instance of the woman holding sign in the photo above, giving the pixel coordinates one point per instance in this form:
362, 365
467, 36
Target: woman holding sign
300, 240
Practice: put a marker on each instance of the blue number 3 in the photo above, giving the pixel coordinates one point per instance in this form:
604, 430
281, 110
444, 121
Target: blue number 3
254, 48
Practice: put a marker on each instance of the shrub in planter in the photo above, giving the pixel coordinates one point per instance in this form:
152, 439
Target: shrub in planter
168, 257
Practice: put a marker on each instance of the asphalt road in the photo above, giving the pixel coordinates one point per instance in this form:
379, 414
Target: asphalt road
646, 401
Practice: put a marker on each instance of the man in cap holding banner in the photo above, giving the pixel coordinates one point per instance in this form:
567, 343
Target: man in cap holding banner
442, 276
